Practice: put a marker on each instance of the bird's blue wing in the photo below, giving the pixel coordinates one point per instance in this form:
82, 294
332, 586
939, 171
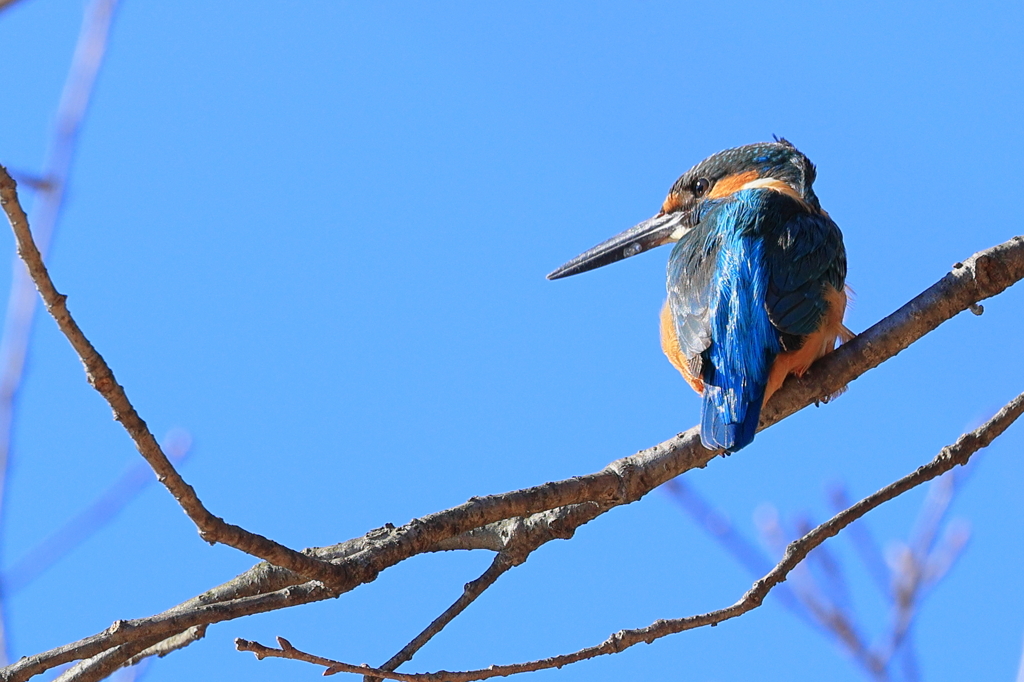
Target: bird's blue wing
804, 255
718, 280
749, 281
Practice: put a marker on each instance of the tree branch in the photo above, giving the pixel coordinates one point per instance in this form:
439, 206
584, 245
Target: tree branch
103, 665
359, 560
513, 540
501, 564
950, 456
571, 502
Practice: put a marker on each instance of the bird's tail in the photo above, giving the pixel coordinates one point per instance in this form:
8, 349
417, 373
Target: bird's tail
729, 417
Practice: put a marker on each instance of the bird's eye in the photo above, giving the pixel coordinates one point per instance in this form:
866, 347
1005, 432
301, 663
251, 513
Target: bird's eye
701, 187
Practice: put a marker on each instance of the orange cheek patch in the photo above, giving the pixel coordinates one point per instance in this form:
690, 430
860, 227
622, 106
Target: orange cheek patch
730, 184
672, 202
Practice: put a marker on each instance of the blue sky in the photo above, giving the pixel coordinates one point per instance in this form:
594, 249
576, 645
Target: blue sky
316, 239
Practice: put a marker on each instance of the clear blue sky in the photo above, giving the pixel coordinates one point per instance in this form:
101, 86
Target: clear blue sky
316, 238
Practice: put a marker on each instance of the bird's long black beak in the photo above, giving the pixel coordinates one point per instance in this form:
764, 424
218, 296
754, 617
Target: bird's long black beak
637, 239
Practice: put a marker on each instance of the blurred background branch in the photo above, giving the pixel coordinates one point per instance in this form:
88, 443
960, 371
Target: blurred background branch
820, 594
50, 186
100, 512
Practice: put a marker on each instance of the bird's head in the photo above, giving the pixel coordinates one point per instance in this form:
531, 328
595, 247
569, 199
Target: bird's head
776, 165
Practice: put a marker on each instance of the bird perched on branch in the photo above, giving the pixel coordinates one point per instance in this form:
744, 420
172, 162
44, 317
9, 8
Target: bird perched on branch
756, 280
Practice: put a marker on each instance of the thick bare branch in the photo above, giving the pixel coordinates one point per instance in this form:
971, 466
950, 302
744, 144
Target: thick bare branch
171, 644
103, 665
956, 454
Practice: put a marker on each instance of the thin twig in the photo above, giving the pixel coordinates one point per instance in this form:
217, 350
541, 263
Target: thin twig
717, 525
513, 540
21, 304
106, 663
1020, 667
834, 586
831, 606
950, 456
35, 182
501, 564
911, 561
170, 645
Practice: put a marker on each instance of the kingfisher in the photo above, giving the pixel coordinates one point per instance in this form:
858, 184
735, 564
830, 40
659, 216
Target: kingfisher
756, 280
